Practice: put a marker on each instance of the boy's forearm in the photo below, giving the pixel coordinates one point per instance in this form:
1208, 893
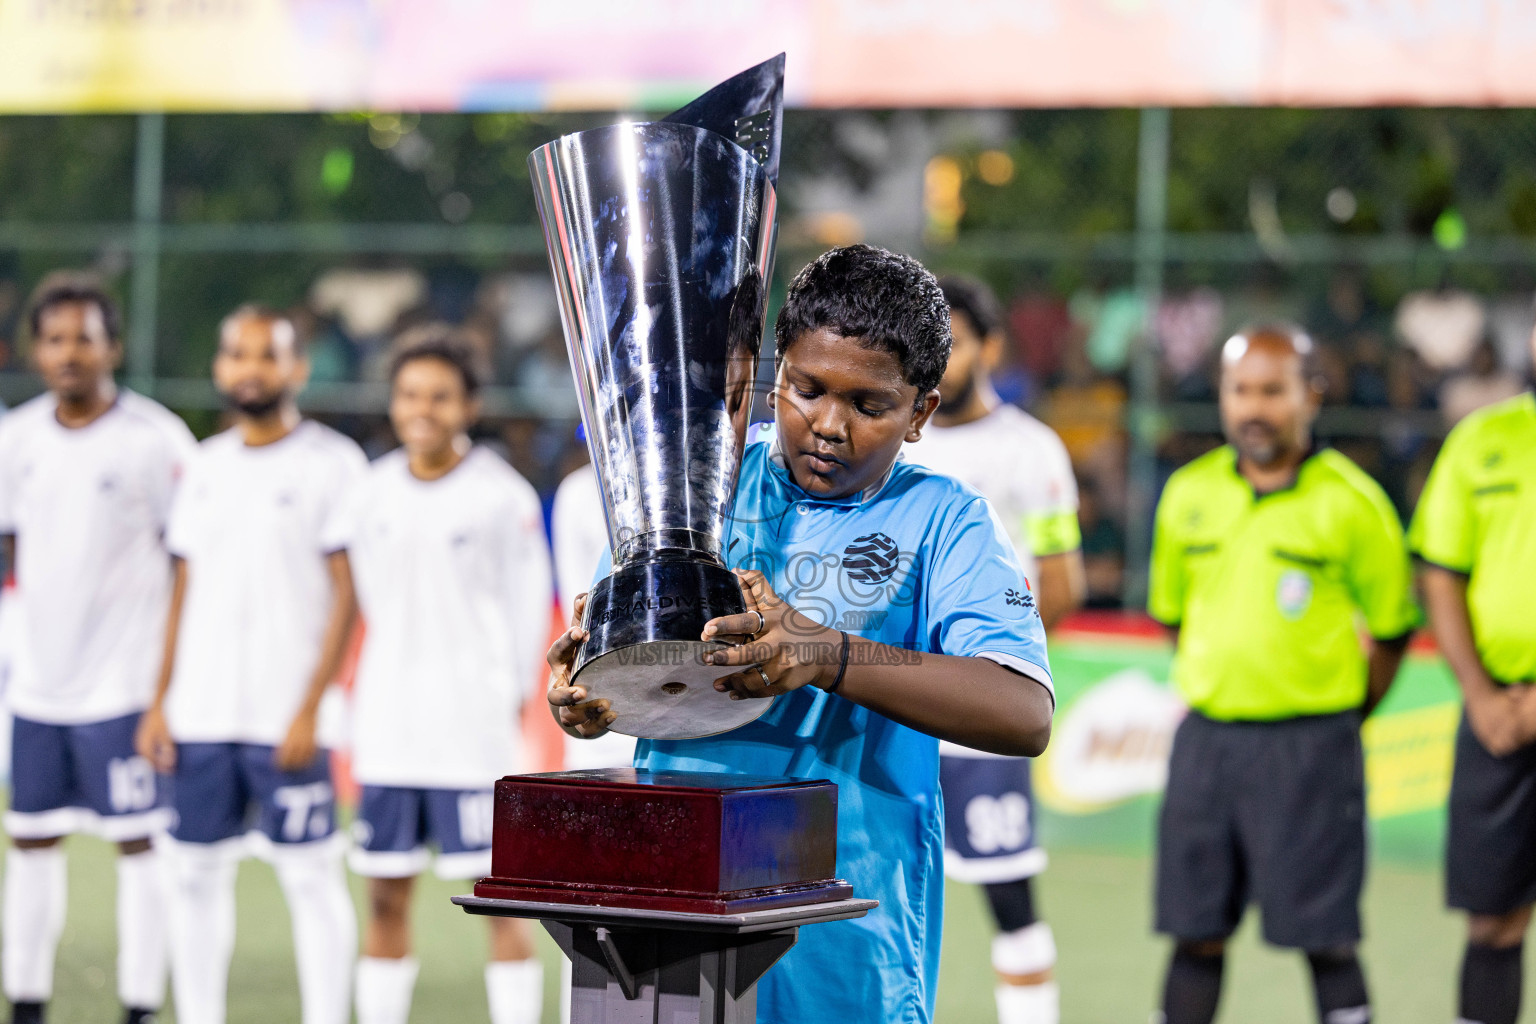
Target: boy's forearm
974, 702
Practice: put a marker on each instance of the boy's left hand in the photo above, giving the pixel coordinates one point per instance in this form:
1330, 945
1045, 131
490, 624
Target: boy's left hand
783, 652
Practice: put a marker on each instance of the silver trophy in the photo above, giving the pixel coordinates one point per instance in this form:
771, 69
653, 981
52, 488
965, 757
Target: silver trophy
661, 239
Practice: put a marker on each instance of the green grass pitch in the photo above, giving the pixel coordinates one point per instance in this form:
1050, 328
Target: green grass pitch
1099, 905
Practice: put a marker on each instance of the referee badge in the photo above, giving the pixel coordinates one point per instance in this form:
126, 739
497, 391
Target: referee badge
1293, 593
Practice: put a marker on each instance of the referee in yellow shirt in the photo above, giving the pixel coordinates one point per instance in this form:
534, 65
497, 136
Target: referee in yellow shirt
1475, 535
1266, 554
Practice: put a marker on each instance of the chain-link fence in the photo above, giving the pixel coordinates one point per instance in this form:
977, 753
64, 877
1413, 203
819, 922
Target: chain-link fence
1126, 244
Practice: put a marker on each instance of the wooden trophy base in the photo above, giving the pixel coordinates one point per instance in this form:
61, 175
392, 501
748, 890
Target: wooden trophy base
671, 893
681, 842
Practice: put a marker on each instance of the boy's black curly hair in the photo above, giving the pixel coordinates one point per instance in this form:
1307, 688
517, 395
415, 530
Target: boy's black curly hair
882, 300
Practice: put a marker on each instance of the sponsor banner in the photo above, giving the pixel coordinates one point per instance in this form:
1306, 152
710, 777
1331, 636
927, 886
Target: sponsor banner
1099, 783
79, 55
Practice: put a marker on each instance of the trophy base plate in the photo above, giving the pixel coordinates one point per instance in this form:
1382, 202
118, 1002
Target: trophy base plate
663, 690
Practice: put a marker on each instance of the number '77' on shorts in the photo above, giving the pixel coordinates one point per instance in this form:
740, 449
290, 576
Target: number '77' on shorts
222, 791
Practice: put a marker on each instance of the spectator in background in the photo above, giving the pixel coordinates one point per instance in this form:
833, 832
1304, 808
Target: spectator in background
1103, 549
1484, 382
87, 472
261, 614
446, 547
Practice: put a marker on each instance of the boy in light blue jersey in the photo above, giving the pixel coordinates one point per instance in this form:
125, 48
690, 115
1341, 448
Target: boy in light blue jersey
886, 608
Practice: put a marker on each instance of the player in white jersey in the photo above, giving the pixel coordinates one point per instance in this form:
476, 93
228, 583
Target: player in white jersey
446, 546
87, 472
1022, 468
580, 534
260, 617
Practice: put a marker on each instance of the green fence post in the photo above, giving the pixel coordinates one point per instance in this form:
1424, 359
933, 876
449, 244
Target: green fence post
148, 175
1151, 243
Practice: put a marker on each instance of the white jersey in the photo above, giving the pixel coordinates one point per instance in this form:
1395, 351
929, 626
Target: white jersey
249, 521
1021, 467
581, 537
453, 579
88, 508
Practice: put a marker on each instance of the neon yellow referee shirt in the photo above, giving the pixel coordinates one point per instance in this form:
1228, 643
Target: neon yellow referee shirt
1268, 591
1477, 516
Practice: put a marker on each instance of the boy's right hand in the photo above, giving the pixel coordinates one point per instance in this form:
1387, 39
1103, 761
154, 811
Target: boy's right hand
153, 740
576, 715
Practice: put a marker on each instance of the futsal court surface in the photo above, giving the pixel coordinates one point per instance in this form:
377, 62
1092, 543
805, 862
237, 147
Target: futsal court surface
1098, 903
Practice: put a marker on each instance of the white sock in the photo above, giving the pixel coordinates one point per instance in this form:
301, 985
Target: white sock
384, 989
36, 892
515, 989
1029, 1004
141, 931
324, 930
1029, 950
202, 928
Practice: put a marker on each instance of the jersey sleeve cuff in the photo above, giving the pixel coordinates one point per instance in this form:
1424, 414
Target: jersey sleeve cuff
1435, 564
1014, 663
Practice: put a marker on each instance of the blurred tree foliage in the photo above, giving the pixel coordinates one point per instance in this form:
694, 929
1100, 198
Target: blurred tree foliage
1070, 174
1076, 171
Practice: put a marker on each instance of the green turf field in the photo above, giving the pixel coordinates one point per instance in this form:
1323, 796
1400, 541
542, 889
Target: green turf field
1098, 903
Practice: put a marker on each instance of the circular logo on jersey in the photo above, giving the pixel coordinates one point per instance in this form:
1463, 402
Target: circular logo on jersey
870, 559
1293, 593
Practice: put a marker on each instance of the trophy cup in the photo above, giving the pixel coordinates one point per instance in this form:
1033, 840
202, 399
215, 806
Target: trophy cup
671, 892
661, 239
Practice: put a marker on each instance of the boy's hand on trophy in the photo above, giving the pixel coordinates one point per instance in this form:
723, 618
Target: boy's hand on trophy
783, 651
576, 715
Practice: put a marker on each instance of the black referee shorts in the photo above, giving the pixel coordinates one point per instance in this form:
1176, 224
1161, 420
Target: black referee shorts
1490, 844
1264, 812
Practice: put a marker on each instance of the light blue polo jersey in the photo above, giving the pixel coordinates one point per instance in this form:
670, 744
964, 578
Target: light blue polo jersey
920, 562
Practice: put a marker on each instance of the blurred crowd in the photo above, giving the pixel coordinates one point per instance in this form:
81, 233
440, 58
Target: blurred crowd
1398, 373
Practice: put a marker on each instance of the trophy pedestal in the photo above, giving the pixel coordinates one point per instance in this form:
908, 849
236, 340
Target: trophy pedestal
671, 892
634, 966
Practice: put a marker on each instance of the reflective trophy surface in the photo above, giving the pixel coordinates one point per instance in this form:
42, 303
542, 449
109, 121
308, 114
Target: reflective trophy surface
661, 239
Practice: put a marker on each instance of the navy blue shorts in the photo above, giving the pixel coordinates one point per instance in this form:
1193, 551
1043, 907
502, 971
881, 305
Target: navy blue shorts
989, 819
224, 791
82, 778
395, 825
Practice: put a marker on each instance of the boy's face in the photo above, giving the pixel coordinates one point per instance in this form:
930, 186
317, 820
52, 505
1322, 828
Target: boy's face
72, 350
843, 412
428, 407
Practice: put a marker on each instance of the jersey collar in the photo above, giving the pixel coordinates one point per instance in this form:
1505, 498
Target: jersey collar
1301, 467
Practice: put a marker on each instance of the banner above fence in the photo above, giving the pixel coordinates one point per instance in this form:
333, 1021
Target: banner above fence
120, 55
